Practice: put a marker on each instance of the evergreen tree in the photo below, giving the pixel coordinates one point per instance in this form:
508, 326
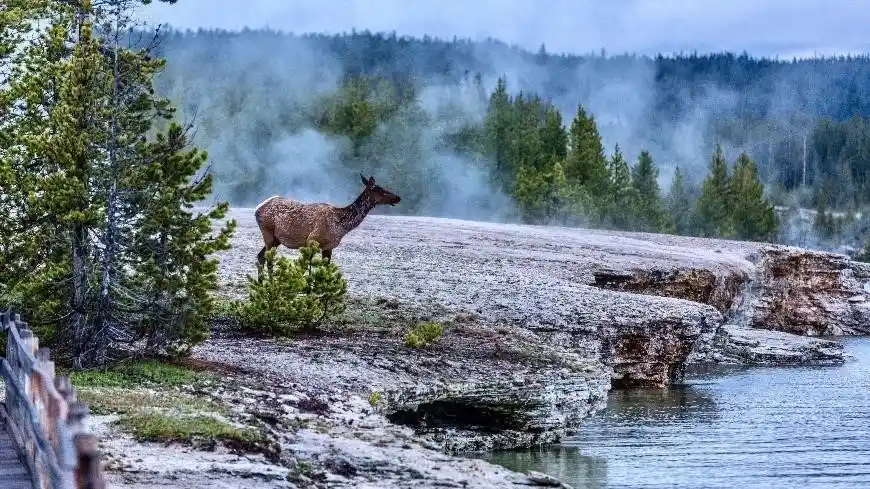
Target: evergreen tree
526, 149
554, 139
498, 129
752, 216
356, 109
621, 213
644, 179
713, 206
119, 255
679, 205
586, 164
530, 194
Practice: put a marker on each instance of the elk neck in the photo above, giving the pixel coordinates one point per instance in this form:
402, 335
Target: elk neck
351, 216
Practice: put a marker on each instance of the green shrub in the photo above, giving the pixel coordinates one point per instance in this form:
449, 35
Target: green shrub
423, 335
375, 398
292, 295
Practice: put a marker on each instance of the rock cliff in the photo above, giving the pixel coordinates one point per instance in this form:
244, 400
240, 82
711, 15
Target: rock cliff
479, 388
809, 293
541, 321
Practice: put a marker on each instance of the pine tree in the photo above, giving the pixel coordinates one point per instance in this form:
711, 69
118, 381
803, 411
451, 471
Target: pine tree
176, 247
498, 129
753, 217
120, 257
525, 144
621, 213
530, 194
586, 164
554, 139
679, 205
713, 206
33, 37
291, 296
644, 180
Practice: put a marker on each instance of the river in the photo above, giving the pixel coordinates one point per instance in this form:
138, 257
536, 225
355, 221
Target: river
797, 427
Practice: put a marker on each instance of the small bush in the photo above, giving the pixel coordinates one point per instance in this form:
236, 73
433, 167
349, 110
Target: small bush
374, 398
290, 296
423, 335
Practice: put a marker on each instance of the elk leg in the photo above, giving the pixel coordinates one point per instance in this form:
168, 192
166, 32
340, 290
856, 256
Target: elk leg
261, 256
327, 255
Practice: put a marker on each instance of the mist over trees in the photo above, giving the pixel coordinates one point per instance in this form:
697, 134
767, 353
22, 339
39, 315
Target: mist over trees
691, 144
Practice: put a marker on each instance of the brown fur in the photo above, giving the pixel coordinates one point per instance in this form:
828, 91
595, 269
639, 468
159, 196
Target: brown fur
292, 223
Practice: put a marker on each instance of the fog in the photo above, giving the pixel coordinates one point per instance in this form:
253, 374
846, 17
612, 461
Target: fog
247, 92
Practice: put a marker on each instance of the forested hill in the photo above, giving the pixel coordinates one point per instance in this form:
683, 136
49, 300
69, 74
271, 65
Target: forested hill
301, 115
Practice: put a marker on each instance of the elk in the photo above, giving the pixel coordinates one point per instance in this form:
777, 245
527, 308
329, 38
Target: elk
292, 223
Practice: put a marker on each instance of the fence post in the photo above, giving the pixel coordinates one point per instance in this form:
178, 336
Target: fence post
49, 422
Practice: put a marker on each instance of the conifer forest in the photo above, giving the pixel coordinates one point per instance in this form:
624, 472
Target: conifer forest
715, 145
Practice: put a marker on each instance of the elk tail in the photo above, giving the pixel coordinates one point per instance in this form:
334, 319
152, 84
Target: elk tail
258, 211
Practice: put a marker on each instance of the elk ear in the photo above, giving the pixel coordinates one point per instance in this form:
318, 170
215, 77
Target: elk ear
365, 182
372, 181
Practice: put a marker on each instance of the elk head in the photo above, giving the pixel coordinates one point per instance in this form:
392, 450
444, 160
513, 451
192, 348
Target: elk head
380, 194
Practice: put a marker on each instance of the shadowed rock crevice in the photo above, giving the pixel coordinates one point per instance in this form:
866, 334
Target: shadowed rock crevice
465, 414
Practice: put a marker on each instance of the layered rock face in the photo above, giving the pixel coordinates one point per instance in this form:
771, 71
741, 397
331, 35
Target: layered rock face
810, 293
479, 388
788, 294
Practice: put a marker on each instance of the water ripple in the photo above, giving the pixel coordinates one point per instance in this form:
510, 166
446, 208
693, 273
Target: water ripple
747, 428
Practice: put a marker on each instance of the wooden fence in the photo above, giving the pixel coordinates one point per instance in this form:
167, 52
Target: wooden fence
44, 417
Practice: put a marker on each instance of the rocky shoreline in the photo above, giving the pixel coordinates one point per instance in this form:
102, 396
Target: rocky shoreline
539, 324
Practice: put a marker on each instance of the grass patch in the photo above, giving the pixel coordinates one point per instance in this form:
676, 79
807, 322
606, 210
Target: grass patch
150, 406
138, 373
114, 400
164, 427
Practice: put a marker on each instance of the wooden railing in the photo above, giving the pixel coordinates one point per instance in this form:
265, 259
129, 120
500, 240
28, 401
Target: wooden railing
44, 417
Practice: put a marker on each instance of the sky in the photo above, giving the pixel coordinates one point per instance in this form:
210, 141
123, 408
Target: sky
783, 28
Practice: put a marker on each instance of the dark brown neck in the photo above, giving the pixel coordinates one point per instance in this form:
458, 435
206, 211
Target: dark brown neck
351, 216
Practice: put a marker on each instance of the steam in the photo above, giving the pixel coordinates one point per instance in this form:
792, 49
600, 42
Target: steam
249, 90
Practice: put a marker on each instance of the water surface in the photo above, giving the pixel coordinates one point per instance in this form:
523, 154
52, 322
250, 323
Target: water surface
804, 427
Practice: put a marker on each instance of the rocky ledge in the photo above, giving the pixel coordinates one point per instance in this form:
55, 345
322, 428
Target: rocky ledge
771, 309
479, 388
536, 279
540, 323
639, 302
737, 345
